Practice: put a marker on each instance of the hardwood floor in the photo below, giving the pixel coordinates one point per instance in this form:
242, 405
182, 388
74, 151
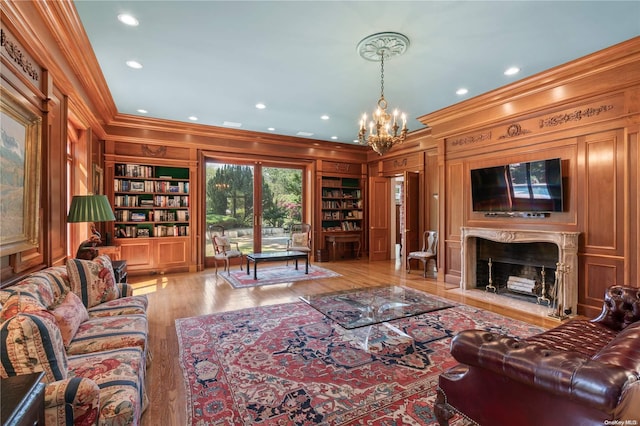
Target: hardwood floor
186, 295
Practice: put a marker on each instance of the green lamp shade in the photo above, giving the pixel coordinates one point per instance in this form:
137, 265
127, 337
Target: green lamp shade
90, 208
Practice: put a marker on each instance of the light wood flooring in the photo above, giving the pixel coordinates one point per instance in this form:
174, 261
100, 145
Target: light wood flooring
175, 296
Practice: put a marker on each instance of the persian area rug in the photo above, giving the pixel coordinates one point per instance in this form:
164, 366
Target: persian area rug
269, 275
289, 364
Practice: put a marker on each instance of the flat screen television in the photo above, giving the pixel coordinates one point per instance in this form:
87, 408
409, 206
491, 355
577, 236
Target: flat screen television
534, 186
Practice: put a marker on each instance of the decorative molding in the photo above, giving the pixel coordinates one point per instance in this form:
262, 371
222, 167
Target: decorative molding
577, 115
147, 151
513, 131
342, 167
471, 139
402, 163
21, 59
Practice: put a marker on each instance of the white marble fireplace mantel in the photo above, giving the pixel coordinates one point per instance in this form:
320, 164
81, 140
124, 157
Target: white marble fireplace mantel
567, 243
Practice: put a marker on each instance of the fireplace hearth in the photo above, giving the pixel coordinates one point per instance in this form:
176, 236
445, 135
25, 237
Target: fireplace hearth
518, 258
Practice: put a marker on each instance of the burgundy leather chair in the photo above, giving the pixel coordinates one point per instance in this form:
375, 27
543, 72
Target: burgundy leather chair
583, 372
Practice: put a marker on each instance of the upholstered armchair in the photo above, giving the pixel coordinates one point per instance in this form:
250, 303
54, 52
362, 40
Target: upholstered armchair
300, 238
429, 251
223, 248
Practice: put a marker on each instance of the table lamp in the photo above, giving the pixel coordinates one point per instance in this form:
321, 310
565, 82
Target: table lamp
90, 208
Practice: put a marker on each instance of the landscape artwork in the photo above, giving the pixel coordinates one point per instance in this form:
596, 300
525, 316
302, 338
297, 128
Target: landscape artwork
12, 168
19, 175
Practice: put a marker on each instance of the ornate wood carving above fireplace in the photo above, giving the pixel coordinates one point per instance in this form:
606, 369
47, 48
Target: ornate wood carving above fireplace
567, 243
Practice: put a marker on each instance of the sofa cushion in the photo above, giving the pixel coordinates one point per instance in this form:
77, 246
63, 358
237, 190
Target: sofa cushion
69, 315
31, 343
122, 306
48, 286
93, 280
107, 333
623, 350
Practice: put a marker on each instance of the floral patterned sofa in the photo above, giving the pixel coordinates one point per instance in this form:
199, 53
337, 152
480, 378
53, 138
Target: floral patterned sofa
87, 333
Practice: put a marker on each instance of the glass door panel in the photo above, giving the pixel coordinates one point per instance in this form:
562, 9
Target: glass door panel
230, 203
281, 206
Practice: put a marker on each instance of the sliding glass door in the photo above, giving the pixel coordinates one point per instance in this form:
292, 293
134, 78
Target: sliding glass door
255, 204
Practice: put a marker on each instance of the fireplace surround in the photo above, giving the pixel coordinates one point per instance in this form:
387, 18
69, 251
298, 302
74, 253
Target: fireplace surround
567, 263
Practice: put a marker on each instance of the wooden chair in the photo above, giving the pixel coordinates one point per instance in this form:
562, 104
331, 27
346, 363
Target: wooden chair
300, 238
222, 247
428, 252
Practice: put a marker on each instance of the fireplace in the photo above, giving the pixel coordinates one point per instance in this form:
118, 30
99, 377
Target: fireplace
518, 257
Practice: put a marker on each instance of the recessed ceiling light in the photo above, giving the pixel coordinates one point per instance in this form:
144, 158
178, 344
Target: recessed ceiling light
512, 71
462, 91
134, 64
271, 129
232, 123
334, 137
324, 117
260, 105
127, 19
304, 134
143, 111
193, 118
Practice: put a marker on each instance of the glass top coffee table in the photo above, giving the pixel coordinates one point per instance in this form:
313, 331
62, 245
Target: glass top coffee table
373, 305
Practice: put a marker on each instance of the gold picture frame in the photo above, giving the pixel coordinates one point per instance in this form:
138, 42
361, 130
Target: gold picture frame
19, 175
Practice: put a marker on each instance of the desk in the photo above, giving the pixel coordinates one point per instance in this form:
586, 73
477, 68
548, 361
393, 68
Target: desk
22, 400
341, 239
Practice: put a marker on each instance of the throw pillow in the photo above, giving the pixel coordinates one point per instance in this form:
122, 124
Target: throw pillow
32, 343
69, 315
93, 280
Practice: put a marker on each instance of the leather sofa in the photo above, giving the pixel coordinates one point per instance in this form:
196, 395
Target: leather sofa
582, 372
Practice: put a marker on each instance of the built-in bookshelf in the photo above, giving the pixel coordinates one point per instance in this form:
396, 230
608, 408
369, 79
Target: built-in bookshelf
342, 204
151, 201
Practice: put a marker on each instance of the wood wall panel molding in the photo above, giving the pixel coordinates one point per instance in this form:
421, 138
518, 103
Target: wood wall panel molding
22, 60
608, 71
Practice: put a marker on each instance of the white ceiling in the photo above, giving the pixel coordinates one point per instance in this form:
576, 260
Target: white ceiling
217, 59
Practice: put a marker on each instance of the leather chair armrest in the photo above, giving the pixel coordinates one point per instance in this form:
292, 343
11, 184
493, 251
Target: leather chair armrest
563, 373
621, 307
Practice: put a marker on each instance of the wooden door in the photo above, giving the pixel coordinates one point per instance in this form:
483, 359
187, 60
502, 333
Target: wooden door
379, 218
411, 202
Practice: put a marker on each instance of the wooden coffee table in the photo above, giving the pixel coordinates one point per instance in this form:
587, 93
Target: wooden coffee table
274, 256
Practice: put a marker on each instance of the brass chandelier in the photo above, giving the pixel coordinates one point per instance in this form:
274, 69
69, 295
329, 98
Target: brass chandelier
384, 128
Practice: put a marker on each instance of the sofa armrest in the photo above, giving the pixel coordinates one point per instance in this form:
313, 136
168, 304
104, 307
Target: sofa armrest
621, 307
72, 401
125, 289
564, 373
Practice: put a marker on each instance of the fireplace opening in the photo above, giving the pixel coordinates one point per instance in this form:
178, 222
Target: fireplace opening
521, 270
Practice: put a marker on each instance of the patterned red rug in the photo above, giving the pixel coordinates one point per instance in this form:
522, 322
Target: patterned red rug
289, 364
269, 275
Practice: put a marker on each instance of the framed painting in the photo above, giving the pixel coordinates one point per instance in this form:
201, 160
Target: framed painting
98, 180
19, 175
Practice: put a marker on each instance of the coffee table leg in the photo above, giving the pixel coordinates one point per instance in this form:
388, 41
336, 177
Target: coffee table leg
255, 269
296, 259
248, 266
306, 268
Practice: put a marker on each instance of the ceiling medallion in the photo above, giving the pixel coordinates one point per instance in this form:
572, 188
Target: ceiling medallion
384, 127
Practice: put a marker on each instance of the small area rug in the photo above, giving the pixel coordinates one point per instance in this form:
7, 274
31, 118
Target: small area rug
289, 364
269, 275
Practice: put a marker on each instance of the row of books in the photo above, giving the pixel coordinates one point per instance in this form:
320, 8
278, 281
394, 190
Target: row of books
152, 216
346, 204
132, 231
341, 194
133, 170
343, 226
125, 185
157, 201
